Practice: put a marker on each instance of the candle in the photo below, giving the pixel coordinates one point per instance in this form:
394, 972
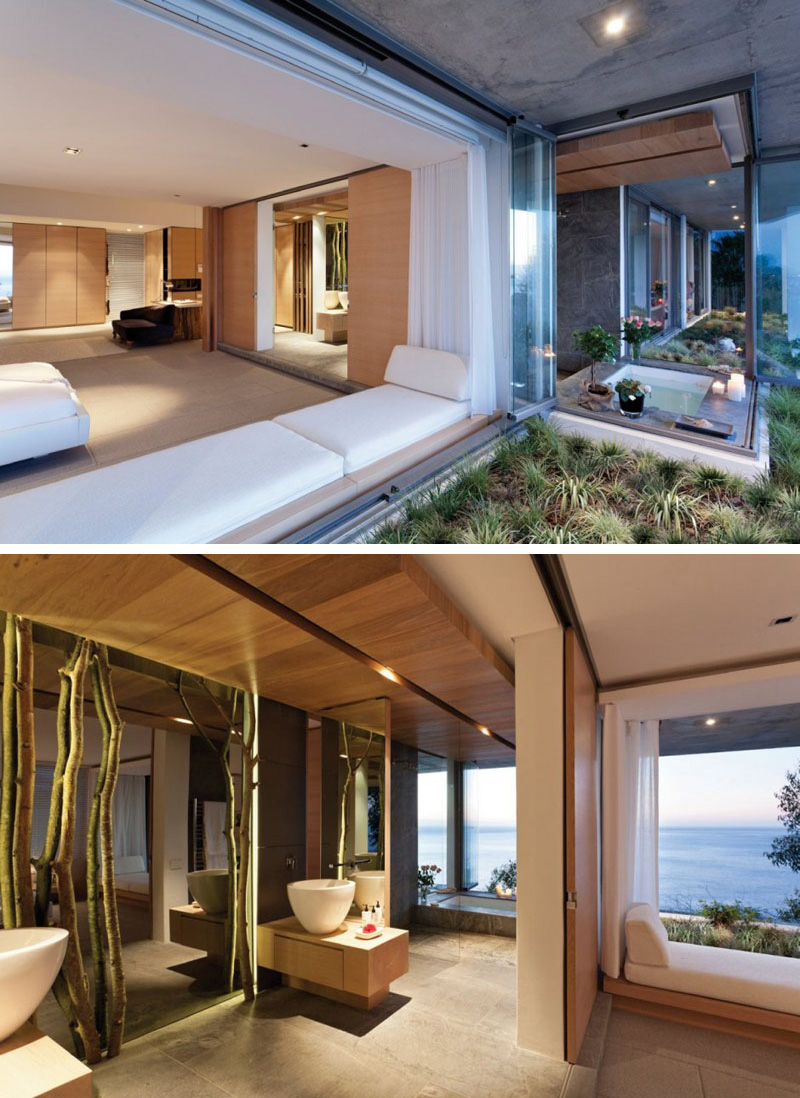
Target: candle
717, 388
736, 387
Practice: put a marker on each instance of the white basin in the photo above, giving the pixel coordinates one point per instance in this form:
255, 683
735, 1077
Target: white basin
29, 962
321, 905
369, 886
209, 887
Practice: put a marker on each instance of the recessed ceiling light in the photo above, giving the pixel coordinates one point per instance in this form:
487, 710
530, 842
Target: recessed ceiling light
485, 730
182, 720
787, 620
59, 222
177, 196
615, 25
734, 206
297, 218
72, 150
712, 182
736, 217
141, 226
711, 720
388, 674
129, 230
304, 145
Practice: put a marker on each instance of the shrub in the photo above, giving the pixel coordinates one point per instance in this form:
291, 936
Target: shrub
791, 912
728, 915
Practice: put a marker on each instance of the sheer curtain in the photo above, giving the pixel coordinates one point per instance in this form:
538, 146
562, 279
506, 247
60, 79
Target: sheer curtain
130, 816
630, 827
450, 301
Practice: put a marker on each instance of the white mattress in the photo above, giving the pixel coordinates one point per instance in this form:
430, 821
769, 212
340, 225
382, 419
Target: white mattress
24, 403
187, 494
365, 427
31, 371
133, 882
754, 979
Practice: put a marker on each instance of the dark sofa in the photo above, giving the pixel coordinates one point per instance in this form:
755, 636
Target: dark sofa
150, 324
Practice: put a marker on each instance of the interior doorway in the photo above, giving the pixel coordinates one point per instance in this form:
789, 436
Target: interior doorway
311, 282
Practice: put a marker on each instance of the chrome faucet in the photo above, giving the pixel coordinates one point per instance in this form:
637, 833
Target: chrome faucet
349, 865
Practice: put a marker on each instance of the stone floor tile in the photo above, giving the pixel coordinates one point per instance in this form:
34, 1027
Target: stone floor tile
146, 1072
719, 1084
628, 1072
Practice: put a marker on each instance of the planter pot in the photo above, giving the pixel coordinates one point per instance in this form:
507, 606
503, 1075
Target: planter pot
344, 297
331, 299
632, 407
598, 390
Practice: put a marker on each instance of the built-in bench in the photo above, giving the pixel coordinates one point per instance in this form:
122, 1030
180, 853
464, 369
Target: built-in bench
261, 481
752, 994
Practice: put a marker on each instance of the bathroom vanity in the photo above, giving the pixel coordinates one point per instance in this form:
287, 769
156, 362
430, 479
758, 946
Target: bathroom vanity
338, 966
34, 1066
189, 925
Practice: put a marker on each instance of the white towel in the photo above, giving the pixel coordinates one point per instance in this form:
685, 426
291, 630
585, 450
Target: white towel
215, 846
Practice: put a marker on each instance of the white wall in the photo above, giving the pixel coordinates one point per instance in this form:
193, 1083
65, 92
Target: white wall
540, 842
265, 277
170, 800
318, 258
135, 739
93, 209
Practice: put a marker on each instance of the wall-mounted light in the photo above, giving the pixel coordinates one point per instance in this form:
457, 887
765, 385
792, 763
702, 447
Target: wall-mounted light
182, 720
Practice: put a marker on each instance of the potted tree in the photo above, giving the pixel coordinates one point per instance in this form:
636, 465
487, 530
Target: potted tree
631, 396
600, 346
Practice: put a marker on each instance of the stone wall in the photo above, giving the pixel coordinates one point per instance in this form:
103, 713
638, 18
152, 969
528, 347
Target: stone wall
588, 268
403, 836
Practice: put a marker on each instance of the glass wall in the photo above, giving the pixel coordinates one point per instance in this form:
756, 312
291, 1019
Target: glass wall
490, 806
638, 264
432, 814
660, 267
777, 251
700, 271
533, 377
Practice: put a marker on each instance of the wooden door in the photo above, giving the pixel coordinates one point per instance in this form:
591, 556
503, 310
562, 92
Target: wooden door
302, 277
91, 276
284, 275
581, 834
198, 253
379, 205
153, 266
61, 304
239, 276
30, 274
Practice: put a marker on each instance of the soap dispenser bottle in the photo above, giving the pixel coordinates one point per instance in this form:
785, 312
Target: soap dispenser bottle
364, 917
378, 914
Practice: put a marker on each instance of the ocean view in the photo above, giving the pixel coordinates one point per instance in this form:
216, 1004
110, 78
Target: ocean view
696, 864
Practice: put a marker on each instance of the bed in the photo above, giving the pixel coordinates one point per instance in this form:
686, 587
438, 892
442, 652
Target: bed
131, 880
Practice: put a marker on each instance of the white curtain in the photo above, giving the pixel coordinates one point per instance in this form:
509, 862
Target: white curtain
450, 300
130, 817
630, 827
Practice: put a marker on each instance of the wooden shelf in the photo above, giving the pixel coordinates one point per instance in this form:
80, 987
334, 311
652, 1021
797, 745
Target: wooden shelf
34, 1066
337, 966
195, 928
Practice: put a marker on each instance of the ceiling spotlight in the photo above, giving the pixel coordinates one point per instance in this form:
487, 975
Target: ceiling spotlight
129, 230
712, 182
615, 25
182, 720
710, 721
304, 145
786, 620
59, 222
736, 217
388, 674
297, 218
72, 150
141, 226
484, 730
734, 206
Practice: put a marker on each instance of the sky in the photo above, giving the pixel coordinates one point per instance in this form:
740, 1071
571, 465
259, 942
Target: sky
497, 797
728, 789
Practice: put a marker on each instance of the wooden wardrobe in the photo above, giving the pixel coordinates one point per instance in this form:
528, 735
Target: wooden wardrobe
59, 276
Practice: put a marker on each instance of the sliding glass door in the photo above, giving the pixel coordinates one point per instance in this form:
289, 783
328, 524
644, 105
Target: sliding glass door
777, 250
533, 375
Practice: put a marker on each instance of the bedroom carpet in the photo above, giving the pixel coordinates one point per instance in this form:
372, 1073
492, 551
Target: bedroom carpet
150, 398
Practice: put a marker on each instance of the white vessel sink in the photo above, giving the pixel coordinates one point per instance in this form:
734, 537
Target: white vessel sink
209, 887
369, 886
29, 962
321, 905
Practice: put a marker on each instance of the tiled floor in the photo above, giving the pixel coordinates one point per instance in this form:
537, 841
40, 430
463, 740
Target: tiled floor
446, 1031
648, 1058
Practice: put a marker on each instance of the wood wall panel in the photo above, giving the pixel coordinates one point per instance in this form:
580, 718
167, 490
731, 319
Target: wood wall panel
379, 234
239, 276
61, 300
198, 253
181, 251
284, 275
29, 259
581, 836
91, 276
153, 265
211, 238
302, 277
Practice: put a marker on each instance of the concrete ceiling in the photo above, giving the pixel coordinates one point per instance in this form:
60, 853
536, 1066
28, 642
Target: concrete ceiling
706, 207
161, 113
651, 616
742, 730
537, 58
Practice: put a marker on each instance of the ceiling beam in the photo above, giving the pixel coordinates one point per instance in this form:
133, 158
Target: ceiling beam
214, 571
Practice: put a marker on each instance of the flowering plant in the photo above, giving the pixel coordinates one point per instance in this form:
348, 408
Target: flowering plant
426, 879
636, 331
629, 388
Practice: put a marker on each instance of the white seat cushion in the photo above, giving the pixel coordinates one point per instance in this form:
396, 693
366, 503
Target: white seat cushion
755, 979
646, 936
31, 371
187, 494
439, 373
365, 427
26, 403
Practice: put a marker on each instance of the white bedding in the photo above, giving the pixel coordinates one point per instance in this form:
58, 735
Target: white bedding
133, 882
365, 427
754, 979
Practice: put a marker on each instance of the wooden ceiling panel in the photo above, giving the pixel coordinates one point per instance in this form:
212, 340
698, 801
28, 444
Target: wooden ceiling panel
670, 148
161, 608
